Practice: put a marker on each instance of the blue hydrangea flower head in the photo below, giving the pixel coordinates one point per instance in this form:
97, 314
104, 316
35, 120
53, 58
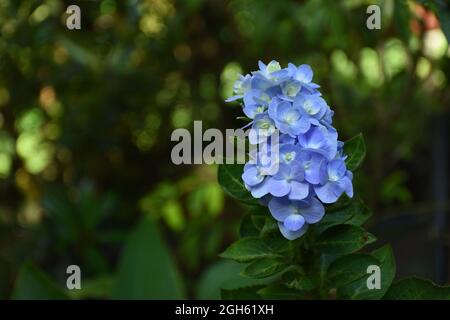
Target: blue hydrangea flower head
304, 169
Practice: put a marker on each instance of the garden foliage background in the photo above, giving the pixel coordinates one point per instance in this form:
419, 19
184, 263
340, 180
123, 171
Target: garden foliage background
86, 117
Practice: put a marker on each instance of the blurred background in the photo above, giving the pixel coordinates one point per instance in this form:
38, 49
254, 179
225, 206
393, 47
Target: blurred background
86, 117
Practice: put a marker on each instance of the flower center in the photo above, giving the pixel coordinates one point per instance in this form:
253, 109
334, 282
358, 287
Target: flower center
291, 117
292, 90
309, 107
289, 156
260, 109
333, 177
273, 66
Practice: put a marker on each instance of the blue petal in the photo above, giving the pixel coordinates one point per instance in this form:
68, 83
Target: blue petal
294, 222
299, 190
314, 212
336, 168
346, 185
292, 235
233, 98
300, 126
281, 208
329, 192
261, 65
279, 188
312, 172
251, 110
261, 189
304, 73
252, 177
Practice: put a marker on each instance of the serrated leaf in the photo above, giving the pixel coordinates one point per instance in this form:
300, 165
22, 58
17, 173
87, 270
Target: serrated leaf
296, 280
338, 241
343, 202
229, 176
417, 289
270, 226
246, 293
273, 238
263, 268
356, 213
248, 228
343, 239
248, 249
388, 269
358, 288
349, 268
281, 292
355, 149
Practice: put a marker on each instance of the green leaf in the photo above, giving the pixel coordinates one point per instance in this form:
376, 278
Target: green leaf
298, 280
252, 225
343, 239
263, 268
246, 293
338, 241
356, 213
281, 292
270, 226
349, 268
417, 289
349, 274
224, 274
146, 269
97, 288
248, 228
388, 269
343, 202
248, 249
272, 237
355, 149
229, 176
33, 284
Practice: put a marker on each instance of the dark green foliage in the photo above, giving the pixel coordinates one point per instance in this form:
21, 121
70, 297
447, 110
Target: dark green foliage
86, 118
328, 261
33, 284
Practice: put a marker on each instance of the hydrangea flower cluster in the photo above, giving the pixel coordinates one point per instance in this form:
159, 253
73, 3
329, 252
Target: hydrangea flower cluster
309, 167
